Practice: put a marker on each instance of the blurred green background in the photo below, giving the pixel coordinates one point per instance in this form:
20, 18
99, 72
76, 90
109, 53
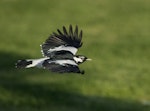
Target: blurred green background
116, 36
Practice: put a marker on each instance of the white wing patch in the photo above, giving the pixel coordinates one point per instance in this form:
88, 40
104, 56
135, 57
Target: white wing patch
73, 50
63, 62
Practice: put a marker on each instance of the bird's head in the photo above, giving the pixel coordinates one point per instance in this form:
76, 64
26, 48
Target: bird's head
80, 59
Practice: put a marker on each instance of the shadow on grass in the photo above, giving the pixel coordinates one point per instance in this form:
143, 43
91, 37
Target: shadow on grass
40, 97
8, 60
17, 94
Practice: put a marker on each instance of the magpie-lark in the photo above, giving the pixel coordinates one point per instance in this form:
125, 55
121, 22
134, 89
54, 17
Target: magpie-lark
59, 53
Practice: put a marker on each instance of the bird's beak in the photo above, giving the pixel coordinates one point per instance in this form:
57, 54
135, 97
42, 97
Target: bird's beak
88, 59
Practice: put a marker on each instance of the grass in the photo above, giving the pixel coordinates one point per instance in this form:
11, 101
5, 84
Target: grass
116, 37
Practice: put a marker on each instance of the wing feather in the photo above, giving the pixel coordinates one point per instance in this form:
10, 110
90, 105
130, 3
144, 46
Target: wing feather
76, 32
66, 39
71, 31
62, 66
65, 31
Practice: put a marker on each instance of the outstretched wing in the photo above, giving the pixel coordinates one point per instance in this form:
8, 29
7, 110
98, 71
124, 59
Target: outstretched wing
62, 66
66, 41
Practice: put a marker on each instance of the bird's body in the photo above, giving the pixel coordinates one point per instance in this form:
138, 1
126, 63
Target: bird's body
59, 53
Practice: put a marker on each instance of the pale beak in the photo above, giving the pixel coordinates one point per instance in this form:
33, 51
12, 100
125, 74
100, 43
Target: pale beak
88, 59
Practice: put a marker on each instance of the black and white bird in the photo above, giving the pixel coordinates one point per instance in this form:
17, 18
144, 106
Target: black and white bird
59, 52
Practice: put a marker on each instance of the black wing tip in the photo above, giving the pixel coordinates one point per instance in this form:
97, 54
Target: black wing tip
70, 32
65, 31
81, 33
70, 29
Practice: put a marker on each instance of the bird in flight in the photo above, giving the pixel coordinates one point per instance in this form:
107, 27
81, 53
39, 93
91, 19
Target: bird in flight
59, 53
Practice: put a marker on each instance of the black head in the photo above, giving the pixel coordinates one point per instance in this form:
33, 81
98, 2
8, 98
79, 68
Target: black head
80, 59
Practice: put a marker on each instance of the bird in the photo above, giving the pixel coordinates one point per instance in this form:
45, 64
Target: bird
59, 52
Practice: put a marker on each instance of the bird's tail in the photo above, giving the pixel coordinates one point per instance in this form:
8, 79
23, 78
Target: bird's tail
27, 63
24, 63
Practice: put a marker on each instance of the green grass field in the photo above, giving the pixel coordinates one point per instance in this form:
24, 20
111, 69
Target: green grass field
116, 36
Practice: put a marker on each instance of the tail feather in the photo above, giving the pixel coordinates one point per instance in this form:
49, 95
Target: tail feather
23, 63
30, 63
